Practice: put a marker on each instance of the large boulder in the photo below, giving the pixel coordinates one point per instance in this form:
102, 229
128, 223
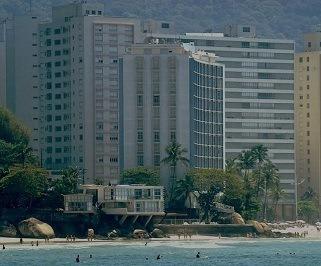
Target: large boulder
258, 227
236, 218
7, 229
157, 233
139, 233
266, 228
35, 228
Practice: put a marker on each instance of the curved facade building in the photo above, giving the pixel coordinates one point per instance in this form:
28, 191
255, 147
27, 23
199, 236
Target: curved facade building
207, 111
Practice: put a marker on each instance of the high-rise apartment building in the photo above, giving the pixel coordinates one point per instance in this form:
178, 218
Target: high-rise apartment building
79, 53
22, 79
170, 94
259, 104
3, 65
307, 118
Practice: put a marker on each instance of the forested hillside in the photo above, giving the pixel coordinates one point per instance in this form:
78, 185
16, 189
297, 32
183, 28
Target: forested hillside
273, 18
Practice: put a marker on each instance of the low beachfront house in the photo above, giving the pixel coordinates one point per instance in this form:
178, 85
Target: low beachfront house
120, 201
78, 203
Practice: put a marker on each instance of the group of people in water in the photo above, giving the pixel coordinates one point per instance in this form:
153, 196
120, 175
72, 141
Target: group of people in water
78, 258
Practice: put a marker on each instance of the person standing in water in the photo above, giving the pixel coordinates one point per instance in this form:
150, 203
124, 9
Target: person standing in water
78, 259
3, 247
198, 255
158, 257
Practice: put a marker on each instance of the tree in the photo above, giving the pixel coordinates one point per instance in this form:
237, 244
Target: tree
12, 130
175, 155
22, 185
308, 210
276, 193
184, 188
232, 166
270, 178
309, 194
141, 175
216, 185
259, 154
67, 184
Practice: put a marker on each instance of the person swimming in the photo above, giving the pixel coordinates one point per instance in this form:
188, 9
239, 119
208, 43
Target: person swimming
90, 256
198, 255
78, 259
158, 257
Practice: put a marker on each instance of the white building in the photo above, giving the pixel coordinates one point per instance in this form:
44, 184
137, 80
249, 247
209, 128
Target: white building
79, 53
171, 94
258, 96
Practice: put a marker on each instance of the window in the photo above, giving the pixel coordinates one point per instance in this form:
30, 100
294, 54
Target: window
309, 44
246, 29
173, 136
308, 59
245, 45
156, 136
57, 42
57, 53
156, 100
156, 159
165, 25
140, 160
140, 136
48, 42
139, 100
57, 31
308, 68
301, 59
308, 77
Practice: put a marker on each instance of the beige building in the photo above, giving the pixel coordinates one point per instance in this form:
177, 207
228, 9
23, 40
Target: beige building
307, 116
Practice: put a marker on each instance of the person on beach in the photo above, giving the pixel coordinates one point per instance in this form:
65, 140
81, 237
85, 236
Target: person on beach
146, 244
21, 241
3, 247
198, 255
78, 259
37, 243
32, 243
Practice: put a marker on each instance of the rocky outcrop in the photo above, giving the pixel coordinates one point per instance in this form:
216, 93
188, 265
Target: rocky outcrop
258, 227
35, 228
139, 233
266, 228
7, 229
157, 233
236, 218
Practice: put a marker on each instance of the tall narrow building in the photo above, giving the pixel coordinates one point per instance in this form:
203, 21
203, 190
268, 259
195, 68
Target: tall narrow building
3, 64
308, 113
259, 96
171, 94
79, 53
22, 77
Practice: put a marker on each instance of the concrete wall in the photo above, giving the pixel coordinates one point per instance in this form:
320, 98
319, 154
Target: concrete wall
209, 229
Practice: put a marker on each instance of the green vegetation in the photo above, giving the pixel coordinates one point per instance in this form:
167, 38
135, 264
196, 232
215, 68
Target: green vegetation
23, 184
308, 210
250, 183
141, 175
175, 155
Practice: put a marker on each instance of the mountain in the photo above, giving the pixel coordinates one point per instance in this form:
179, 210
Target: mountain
272, 18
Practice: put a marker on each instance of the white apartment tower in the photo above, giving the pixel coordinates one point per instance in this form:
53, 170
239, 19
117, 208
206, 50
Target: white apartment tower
79, 53
259, 96
171, 94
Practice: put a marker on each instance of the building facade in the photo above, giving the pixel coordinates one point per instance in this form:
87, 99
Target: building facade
307, 116
3, 65
79, 53
171, 94
259, 96
22, 76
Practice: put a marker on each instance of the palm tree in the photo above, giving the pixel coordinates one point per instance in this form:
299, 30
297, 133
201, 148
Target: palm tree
175, 154
247, 162
270, 177
276, 193
232, 166
184, 189
259, 153
309, 194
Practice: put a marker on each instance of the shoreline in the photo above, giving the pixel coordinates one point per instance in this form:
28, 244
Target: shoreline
82, 241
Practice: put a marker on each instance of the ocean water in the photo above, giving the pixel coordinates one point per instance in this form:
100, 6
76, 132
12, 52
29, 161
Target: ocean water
213, 252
